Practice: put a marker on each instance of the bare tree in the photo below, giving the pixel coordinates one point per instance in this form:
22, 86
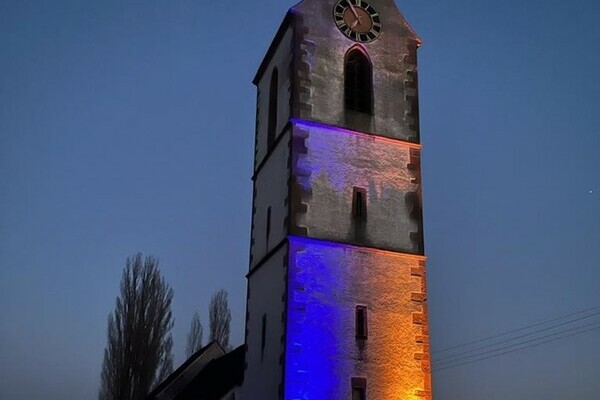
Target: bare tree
220, 318
194, 339
138, 353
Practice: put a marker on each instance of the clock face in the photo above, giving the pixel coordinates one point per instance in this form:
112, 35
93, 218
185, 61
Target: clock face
358, 20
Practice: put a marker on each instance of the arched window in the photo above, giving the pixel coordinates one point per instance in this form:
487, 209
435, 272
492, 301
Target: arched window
358, 82
272, 129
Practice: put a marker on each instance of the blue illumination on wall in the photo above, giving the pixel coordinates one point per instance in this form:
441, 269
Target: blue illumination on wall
315, 355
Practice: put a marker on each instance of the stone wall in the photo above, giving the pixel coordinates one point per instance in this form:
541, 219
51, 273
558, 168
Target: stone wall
328, 163
319, 79
326, 282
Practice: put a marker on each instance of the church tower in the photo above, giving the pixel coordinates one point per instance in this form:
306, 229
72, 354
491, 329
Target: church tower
336, 304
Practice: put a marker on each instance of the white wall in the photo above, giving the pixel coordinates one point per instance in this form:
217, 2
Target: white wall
271, 187
282, 60
266, 295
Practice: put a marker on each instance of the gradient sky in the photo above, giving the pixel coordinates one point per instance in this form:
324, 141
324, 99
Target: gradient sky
128, 126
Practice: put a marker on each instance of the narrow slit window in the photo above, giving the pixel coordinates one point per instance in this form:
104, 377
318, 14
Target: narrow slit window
359, 389
268, 230
263, 338
361, 322
358, 82
359, 203
273, 93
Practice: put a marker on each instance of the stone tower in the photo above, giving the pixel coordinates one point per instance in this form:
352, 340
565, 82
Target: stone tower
336, 304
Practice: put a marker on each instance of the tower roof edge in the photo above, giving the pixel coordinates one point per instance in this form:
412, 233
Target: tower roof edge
273, 46
410, 29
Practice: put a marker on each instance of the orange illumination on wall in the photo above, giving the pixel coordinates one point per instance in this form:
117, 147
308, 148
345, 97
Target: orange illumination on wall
327, 280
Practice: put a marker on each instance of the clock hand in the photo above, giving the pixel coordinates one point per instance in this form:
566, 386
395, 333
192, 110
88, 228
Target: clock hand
353, 25
354, 10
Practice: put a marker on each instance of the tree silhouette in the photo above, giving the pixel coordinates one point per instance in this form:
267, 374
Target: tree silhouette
194, 338
138, 354
220, 318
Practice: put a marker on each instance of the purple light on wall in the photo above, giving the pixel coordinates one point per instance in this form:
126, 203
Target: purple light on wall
340, 159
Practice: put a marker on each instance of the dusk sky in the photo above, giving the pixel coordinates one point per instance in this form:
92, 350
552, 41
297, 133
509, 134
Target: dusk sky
128, 126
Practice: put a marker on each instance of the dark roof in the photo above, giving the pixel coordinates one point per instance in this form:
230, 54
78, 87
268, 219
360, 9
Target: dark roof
175, 374
217, 378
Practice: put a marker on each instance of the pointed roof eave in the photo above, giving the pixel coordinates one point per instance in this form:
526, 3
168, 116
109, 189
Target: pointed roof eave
274, 44
413, 33
297, 4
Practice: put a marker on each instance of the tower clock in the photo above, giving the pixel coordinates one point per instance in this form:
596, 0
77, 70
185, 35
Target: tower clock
358, 20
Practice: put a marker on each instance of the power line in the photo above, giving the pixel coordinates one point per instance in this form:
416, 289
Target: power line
535, 332
435, 352
515, 350
524, 342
